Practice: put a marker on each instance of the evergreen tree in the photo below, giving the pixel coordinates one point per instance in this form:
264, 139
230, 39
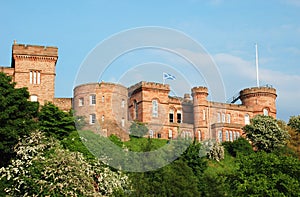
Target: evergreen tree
55, 122
16, 117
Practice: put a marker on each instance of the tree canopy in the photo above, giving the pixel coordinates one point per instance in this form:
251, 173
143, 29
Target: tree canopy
16, 117
265, 134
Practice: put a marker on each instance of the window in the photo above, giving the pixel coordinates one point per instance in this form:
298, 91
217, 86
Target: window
223, 117
170, 134
92, 118
35, 77
179, 119
123, 103
227, 135
154, 108
204, 114
93, 99
151, 133
33, 98
228, 118
247, 119
266, 112
102, 118
230, 135
123, 122
237, 135
218, 117
171, 116
81, 102
199, 136
158, 135
220, 136
102, 99
234, 135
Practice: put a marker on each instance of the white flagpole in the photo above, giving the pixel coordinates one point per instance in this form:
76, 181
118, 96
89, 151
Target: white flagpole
256, 61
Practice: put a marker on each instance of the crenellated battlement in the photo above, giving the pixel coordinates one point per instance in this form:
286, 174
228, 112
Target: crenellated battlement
34, 50
199, 90
258, 91
149, 85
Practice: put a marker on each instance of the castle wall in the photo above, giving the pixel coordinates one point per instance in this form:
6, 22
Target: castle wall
64, 104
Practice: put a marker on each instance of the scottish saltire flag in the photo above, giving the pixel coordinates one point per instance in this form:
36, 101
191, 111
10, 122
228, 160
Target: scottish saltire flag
168, 76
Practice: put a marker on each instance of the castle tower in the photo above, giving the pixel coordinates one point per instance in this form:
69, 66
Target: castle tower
201, 112
34, 67
261, 99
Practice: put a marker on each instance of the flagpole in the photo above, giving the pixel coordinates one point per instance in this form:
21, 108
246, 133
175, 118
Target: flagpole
256, 62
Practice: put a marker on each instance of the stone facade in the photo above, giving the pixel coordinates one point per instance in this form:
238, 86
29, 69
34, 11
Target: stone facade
110, 108
170, 117
33, 67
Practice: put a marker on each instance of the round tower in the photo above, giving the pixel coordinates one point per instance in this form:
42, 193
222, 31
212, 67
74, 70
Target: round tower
200, 107
261, 99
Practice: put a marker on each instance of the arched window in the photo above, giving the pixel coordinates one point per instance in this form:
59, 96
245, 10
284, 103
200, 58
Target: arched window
154, 108
227, 135
199, 136
237, 135
247, 119
223, 117
102, 118
151, 133
170, 134
179, 116
266, 112
218, 117
92, 118
33, 98
220, 136
230, 136
123, 122
228, 118
234, 135
171, 115
123, 103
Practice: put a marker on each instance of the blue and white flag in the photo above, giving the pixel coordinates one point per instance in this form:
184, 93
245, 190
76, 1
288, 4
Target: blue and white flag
168, 76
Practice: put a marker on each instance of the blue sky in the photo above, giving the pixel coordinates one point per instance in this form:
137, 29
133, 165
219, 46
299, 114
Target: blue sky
227, 30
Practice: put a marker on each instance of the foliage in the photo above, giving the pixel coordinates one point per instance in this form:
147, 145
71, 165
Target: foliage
73, 142
138, 129
175, 179
43, 168
116, 140
265, 134
139, 144
266, 174
16, 117
294, 122
55, 122
241, 146
216, 152
80, 122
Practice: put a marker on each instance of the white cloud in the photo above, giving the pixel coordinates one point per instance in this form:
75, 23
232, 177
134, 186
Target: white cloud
237, 71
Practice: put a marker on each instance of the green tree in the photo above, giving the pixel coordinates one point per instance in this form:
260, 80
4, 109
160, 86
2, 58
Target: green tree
294, 122
266, 174
138, 129
55, 122
265, 134
16, 117
241, 146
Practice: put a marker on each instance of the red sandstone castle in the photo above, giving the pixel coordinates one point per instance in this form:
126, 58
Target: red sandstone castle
110, 108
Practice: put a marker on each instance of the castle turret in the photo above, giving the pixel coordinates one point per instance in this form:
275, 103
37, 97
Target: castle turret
261, 99
200, 107
34, 67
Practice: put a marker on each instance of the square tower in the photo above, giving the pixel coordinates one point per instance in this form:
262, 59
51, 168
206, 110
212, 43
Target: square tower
34, 67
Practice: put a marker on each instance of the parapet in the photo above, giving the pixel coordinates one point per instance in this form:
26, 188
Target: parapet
34, 50
149, 85
199, 90
258, 91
